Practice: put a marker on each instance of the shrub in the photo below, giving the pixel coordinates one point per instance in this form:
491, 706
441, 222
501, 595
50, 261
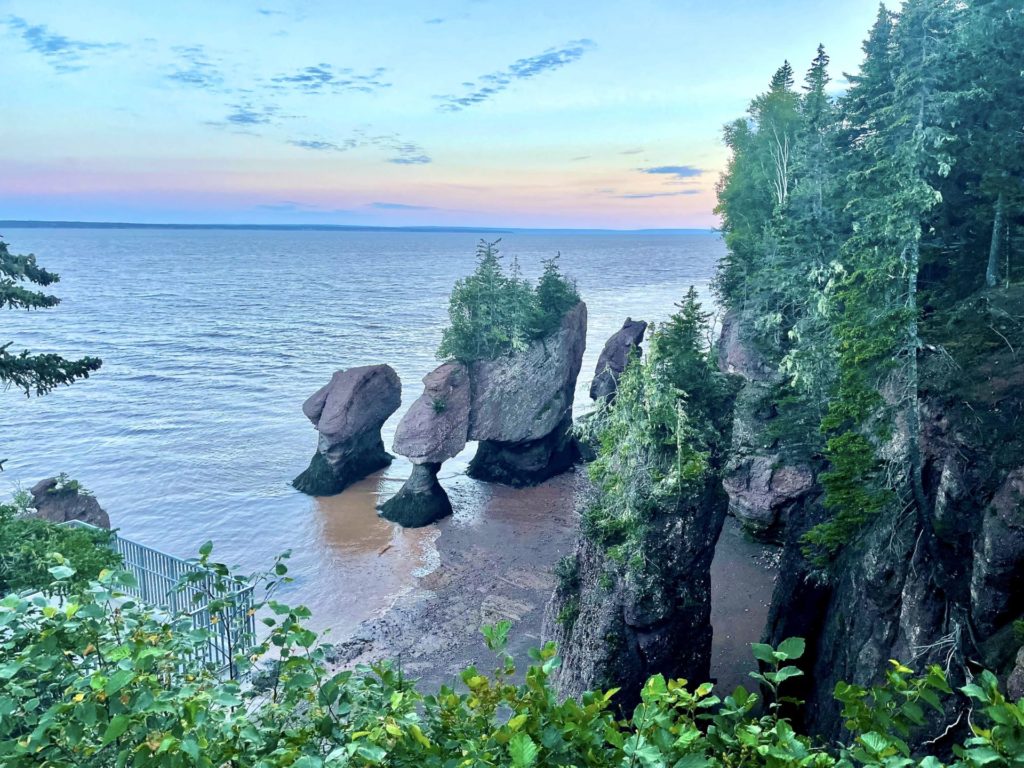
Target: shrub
30, 547
493, 312
84, 685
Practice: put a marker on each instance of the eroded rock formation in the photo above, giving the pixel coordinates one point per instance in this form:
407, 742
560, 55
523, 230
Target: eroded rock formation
348, 413
522, 407
614, 358
767, 477
519, 408
433, 430
616, 624
59, 504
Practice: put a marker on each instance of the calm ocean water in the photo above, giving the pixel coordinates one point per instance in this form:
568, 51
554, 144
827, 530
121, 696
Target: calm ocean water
211, 340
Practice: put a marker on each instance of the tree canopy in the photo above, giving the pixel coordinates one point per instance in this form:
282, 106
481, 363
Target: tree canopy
495, 310
849, 219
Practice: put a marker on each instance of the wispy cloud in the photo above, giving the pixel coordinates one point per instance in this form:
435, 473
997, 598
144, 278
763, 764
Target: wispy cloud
305, 209
407, 153
636, 151
247, 114
63, 53
323, 78
323, 146
435, 20
401, 207
401, 152
196, 68
488, 86
646, 195
675, 171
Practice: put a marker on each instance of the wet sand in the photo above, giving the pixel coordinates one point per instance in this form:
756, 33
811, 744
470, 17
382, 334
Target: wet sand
495, 561
742, 579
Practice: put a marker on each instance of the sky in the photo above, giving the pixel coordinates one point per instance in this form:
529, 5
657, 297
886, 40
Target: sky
503, 113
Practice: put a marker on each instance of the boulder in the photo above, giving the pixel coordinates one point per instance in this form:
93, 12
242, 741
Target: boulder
521, 406
614, 358
436, 425
763, 489
421, 501
348, 413
55, 502
1015, 682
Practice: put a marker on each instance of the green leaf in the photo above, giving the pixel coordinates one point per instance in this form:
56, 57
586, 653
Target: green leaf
522, 750
875, 741
117, 681
61, 572
763, 652
792, 648
692, 760
784, 674
118, 725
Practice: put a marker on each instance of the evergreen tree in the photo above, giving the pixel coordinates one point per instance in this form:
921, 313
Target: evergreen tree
33, 373
905, 193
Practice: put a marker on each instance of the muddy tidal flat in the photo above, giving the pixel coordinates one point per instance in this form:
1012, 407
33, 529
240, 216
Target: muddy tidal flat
499, 564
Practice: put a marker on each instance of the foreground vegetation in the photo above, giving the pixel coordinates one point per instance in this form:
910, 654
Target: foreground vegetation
495, 310
26, 543
98, 680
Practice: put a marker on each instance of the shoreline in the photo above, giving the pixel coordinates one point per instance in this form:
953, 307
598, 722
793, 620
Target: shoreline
498, 563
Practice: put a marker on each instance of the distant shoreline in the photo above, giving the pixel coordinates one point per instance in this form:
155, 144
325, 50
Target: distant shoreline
18, 224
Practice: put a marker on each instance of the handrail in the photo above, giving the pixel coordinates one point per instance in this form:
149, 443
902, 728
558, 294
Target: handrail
159, 583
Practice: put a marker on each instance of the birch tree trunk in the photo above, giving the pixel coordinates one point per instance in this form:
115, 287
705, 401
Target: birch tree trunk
992, 272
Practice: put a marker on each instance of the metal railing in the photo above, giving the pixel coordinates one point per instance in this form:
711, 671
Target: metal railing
181, 588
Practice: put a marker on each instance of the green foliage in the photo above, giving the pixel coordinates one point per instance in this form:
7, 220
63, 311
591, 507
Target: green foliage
844, 217
493, 311
39, 373
30, 548
84, 685
656, 439
885, 715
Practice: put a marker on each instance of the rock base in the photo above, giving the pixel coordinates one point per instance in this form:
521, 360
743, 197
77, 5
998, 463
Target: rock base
421, 501
61, 506
326, 477
526, 463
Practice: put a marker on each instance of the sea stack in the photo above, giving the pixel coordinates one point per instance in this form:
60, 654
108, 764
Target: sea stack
348, 413
521, 408
615, 357
434, 429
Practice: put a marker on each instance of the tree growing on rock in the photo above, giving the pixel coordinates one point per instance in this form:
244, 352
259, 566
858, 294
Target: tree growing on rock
495, 311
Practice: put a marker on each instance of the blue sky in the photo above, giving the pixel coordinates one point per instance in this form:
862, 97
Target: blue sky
446, 112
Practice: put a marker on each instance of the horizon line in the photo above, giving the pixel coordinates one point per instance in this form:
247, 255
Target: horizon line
59, 224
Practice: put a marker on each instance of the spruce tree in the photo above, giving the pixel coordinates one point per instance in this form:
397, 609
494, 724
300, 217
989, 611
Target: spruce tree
33, 373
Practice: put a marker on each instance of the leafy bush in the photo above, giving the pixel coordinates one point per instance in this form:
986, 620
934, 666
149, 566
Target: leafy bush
82, 684
494, 312
29, 547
